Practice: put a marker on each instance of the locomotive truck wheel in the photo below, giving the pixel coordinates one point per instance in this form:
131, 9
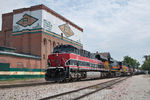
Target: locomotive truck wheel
46, 77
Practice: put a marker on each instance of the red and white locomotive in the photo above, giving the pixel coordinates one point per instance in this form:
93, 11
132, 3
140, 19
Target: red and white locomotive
68, 63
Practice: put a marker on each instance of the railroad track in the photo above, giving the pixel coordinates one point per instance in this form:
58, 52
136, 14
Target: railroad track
82, 92
4, 86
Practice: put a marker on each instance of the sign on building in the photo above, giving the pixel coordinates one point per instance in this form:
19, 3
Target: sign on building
41, 19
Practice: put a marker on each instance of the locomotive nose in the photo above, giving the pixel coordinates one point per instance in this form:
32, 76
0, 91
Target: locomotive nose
56, 60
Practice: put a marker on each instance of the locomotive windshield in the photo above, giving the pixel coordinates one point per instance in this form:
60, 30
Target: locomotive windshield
65, 49
72, 49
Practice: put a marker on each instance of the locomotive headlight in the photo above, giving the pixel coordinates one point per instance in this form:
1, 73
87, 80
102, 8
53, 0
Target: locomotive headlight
56, 53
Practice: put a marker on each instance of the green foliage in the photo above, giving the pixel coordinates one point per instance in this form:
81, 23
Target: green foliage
130, 61
146, 65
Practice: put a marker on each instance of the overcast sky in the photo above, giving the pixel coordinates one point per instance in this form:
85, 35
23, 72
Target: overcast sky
121, 27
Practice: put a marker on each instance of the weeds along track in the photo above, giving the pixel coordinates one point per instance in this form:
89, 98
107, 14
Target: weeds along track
85, 91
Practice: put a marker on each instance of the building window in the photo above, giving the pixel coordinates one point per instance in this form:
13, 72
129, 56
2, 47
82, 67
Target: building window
61, 35
49, 42
44, 41
54, 44
43, 56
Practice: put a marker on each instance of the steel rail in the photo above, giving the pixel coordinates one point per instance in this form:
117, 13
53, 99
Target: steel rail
101, 88
77, 90
14, 85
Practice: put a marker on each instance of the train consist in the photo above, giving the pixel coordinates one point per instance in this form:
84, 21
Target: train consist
70, 63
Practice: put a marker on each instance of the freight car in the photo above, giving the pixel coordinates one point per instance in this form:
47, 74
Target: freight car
70, 63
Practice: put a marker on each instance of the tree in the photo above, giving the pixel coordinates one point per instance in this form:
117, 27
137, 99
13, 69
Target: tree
146, 65
131, 62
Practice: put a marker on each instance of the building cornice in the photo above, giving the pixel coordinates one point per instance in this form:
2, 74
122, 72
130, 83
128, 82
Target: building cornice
43, 31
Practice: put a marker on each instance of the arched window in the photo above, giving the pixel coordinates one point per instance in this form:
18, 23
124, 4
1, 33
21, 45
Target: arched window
43, 56
54, 44
49, 42
44, 41
61, 35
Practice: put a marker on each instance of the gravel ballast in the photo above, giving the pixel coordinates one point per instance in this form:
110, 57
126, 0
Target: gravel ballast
37, 92
134, 88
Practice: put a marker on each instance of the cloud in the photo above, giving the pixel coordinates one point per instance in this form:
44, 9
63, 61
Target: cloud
120, 27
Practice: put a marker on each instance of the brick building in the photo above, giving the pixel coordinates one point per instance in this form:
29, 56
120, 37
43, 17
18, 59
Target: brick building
33, 33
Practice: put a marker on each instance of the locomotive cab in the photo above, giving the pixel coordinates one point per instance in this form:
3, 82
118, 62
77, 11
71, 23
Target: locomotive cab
57, 69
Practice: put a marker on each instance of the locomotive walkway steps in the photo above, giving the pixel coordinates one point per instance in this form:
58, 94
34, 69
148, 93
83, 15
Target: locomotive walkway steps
80, 93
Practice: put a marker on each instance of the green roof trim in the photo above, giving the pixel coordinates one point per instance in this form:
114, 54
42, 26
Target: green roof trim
63, 37
47, 33
25, 30
3, 48
19, 55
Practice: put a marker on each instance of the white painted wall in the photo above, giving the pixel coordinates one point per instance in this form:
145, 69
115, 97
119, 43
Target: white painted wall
37, 14
51, 21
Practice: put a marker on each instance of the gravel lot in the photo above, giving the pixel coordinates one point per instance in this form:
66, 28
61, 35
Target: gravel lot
37, 92
134, 88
